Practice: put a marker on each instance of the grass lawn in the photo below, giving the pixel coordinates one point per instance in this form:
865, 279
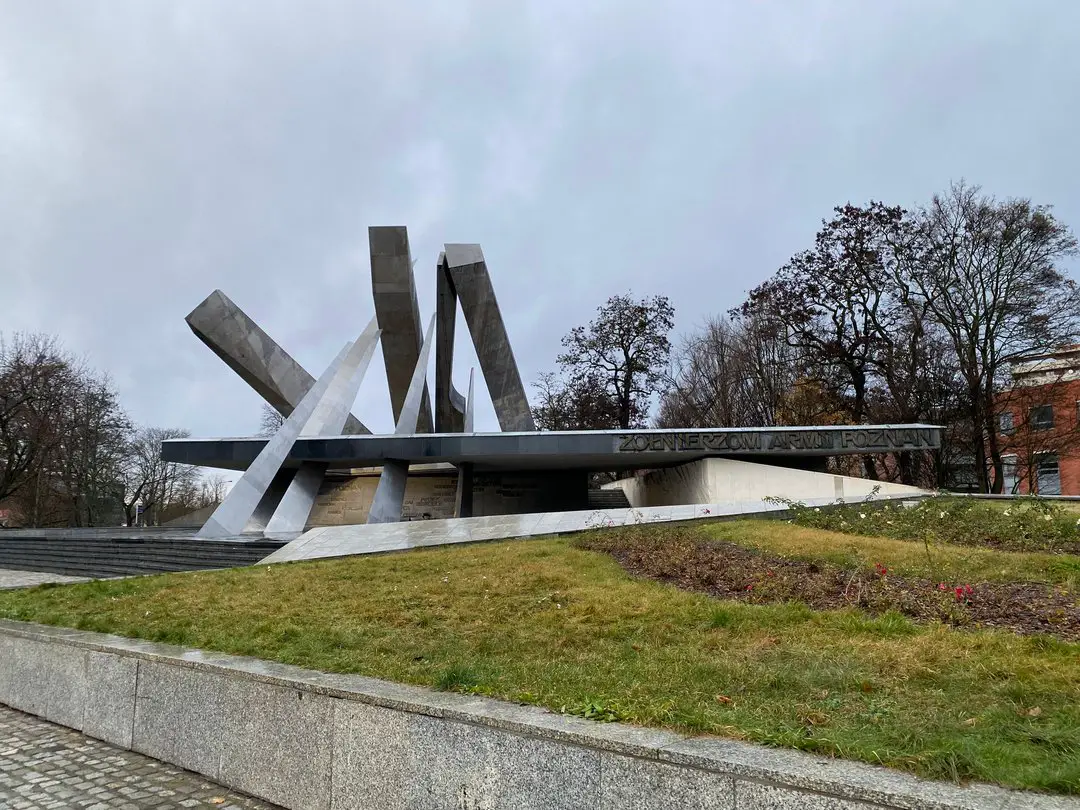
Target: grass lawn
950, 563
546, 622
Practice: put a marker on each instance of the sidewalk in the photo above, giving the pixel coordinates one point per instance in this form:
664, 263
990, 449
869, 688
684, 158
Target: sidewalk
48, 767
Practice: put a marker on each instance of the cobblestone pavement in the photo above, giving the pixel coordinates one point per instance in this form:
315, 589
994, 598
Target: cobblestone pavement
47, 766
24, 579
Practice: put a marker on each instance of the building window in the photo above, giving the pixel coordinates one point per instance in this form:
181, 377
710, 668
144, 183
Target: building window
1047, 474
1042, 417
1010, 478
1005, 422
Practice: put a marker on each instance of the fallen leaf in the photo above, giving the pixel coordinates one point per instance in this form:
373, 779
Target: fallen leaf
217, 800
1034, 711
970, 721
724, 699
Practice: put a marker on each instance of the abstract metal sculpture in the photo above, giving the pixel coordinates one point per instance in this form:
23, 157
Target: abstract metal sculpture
243, 499
277, 497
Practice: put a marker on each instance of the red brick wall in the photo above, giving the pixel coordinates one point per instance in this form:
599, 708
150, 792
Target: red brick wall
1063, 438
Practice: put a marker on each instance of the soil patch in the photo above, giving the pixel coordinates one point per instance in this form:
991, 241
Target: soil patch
729, 571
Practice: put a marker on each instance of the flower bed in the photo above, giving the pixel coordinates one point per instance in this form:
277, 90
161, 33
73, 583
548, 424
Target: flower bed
691, 560
1027, 524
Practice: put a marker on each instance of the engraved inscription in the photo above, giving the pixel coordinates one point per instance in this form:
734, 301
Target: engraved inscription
751, 441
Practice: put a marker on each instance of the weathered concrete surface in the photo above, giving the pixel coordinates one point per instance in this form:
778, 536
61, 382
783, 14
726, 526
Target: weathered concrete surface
82, 688
389, 498
344, 501
469, 276
308, 739
341, 541
714, 479
394, 290
254, 355
28, 579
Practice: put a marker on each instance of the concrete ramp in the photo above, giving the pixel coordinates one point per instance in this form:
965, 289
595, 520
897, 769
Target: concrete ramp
342, 541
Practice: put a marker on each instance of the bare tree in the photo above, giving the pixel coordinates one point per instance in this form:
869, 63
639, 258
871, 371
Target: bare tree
212, 490
625, 351
88, 459
988, 274
838, 301
35, 374
584, 404
729, 373
270, 421
151, 482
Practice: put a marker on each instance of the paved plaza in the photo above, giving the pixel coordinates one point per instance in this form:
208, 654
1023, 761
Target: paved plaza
43, 765
26, 579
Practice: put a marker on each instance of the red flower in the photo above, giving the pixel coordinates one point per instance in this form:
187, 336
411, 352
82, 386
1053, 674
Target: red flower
959, 593
941, 586
749, 587
969, 590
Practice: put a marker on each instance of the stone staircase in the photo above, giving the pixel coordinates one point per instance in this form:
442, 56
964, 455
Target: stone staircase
608, 499
124, 552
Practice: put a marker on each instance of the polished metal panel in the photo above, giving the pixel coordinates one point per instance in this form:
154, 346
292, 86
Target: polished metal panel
292, 511
254, 355
394, 290
469, 277
389, 495
449, 404
243, 499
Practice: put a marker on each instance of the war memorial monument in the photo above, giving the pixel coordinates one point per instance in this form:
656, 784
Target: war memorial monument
325, 468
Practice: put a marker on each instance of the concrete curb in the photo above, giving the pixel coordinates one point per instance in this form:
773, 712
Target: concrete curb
306, 739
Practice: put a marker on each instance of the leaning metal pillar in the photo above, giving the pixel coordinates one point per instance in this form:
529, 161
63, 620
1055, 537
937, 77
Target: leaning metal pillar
253, 354
243, 499
449, 404
463, 501
468, 275
389, 497
394, 290
292, 512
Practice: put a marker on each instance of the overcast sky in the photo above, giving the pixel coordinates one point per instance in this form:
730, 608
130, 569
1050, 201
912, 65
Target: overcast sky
153, 151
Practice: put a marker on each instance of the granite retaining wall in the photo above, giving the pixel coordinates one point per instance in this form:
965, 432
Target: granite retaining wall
305, 739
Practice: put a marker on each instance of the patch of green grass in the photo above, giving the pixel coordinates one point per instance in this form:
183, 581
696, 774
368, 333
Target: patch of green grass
542, 622
1022, 524
935, 561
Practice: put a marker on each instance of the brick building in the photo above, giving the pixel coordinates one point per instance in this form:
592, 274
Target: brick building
1039, 425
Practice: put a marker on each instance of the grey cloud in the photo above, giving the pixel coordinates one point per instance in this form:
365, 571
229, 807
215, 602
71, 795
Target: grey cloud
150, 152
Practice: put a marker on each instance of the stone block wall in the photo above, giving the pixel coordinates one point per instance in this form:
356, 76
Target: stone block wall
305, 739
431, 495
347, 501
